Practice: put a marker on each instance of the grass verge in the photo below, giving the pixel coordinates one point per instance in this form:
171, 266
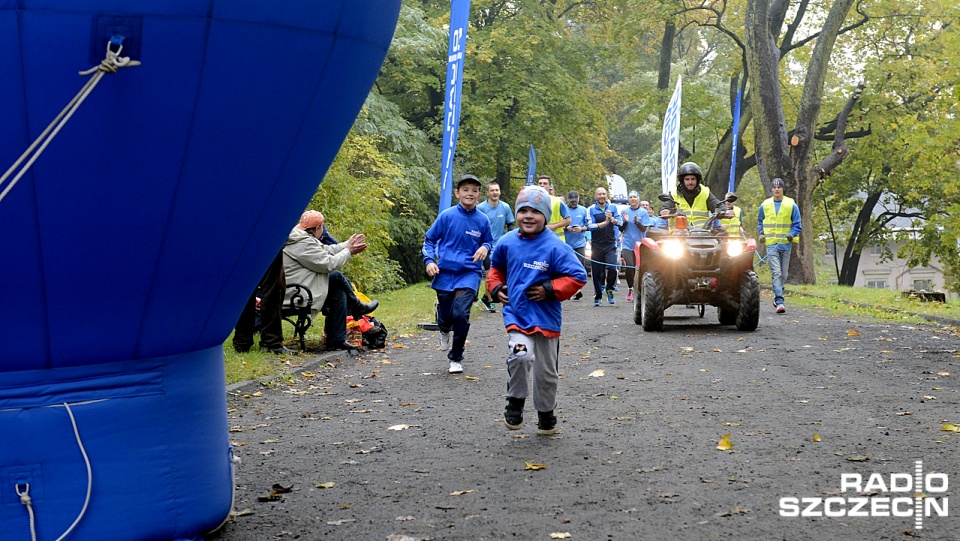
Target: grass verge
400, 311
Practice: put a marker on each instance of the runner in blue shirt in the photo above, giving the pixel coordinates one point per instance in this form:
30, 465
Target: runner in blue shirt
501, 219
453, 250
636, 220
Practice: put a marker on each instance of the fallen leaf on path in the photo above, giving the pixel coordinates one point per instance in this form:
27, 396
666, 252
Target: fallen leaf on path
241, 513
471, 378
399, 427
816, 437
408, 517
560, 535
398, 346
735, 511
943, 373
328, 484
271, 497
902, 413
280, 489
858, 458
852, 332
929, 397
461, 492
725, 443
596, 374
341, 522
532, 466
446, 506
947, 427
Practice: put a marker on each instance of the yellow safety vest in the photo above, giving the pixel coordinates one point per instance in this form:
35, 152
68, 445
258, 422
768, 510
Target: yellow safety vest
733, 224
555, 215
698, 213
776, 225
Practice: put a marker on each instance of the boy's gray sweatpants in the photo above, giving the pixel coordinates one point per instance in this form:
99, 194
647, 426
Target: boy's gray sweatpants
539, 353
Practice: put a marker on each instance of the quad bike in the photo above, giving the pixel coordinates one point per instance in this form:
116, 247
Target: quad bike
696, 266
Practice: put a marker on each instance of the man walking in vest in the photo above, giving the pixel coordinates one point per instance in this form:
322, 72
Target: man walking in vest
778, 222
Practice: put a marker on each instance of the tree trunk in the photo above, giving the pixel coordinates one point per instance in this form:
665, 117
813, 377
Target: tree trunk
766, 103
851, 255
776, 157
666, 54
806, 175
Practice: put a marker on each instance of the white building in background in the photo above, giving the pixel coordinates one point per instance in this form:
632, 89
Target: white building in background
892, 274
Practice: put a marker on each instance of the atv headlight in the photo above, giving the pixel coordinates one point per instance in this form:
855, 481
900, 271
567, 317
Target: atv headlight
672, 248
734, 248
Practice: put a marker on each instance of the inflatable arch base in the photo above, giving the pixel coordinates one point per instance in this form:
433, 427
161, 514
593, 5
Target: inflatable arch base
114, 447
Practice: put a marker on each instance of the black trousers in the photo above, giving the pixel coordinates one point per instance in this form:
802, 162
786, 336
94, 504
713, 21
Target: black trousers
272, 288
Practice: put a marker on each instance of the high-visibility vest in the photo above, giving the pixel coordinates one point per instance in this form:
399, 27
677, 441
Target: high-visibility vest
555, 215
735, 222
777, 225
698, 213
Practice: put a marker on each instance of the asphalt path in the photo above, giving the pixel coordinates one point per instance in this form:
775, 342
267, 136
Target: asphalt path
389, 446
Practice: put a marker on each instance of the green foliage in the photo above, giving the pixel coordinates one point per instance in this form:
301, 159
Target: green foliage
357, 197
578, 81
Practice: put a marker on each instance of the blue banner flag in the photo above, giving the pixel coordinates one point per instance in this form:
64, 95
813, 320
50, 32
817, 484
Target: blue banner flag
736, 137
670, 141
532, 167
459, 16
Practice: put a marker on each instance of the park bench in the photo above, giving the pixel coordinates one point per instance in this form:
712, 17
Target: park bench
297, 311
936, 296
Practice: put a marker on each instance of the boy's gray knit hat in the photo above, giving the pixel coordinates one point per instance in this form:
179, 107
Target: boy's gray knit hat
536, 198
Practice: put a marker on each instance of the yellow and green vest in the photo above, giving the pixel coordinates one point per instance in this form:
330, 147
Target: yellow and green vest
555, 215
777, 225
733, 224
698, 213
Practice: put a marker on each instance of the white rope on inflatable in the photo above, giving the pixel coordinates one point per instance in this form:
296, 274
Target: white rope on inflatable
27, 501
25, 493
110, 64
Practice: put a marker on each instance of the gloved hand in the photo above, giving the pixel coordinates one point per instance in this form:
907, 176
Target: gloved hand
761, 239
789, 238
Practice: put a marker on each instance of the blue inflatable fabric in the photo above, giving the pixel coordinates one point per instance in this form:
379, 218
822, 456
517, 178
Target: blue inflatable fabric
131, 245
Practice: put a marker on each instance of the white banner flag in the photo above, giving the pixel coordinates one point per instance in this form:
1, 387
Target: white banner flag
670, 141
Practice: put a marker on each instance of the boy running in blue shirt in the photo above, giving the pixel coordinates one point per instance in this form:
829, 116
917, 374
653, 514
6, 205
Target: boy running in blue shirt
531, 273
453, 251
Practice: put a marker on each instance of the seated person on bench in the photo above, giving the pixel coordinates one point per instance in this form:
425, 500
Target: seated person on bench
309, 262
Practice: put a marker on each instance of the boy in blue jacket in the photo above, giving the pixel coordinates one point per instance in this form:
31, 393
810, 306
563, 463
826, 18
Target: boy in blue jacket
453, 251
530, 274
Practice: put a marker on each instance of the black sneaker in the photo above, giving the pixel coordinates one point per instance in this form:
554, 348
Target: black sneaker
578, 296
547, 423
513, 413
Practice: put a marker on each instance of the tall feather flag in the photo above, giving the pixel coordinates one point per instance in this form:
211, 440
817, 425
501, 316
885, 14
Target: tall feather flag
532, 167
736, 137
459, 16
670, 141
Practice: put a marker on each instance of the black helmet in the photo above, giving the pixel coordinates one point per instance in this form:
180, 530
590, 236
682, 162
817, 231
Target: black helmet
689, 168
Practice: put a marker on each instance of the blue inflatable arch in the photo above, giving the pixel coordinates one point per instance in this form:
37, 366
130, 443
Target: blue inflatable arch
130, 246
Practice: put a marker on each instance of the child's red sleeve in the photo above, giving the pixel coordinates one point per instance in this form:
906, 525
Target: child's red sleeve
495, 278
564, 287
